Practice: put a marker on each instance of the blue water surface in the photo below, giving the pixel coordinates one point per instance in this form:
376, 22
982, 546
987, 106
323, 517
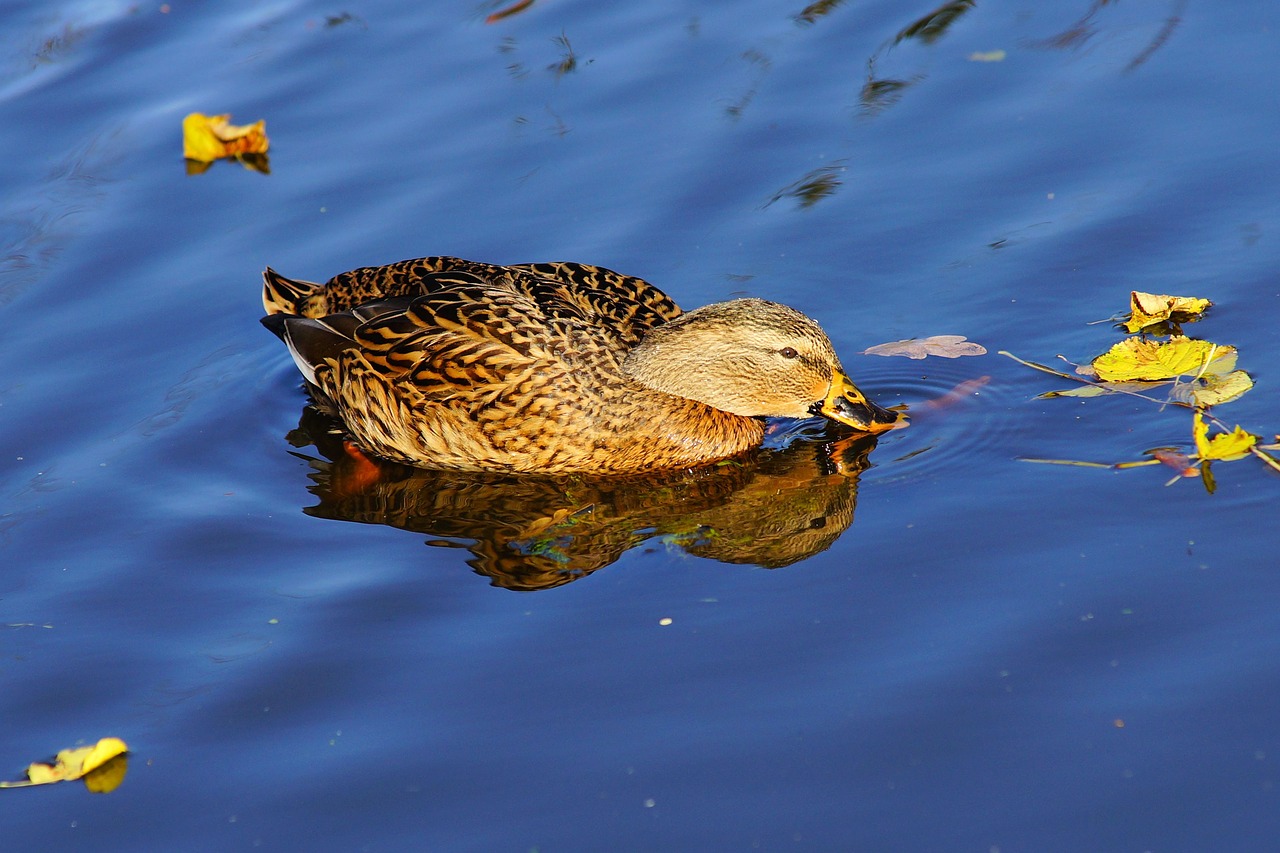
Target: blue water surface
993, 656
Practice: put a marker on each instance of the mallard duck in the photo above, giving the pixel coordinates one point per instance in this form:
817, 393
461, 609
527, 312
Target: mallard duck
552, 367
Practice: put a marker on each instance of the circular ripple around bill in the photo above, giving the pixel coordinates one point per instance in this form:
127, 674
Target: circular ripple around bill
958, 415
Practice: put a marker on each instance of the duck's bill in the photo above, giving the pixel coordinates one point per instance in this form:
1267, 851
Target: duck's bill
846, 404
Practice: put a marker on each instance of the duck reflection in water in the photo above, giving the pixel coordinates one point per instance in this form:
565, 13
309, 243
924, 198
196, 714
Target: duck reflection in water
769, 508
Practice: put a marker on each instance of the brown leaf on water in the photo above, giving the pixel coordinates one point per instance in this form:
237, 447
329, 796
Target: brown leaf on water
208, 138
1147, 309
946, 346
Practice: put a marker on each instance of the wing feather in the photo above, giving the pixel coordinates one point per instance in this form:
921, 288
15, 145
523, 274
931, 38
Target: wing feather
625, 306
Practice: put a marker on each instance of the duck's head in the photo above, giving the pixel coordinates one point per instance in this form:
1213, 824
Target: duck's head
753, 358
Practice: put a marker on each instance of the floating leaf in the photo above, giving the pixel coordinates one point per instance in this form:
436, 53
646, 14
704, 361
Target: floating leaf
1227, 446
100, 765
1200, 433
946, 346
1197, 374
208, 138
1232, 445
1092, 390
1211, 390
987, 56
1149, 308
1135, 358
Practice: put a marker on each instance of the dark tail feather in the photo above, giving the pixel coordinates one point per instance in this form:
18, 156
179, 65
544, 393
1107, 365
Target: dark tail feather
276, 324
311, 342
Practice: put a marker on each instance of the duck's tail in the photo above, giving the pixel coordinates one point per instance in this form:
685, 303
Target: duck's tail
282, 295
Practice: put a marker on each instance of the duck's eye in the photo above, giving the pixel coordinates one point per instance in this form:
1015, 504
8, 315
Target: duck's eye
788, 352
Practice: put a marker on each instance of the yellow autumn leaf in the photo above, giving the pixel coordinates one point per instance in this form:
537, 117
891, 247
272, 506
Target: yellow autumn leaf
1200, 433
208, 138
79, 762
1227, 446
1212, 390
102, 752
1135, 358
1148, 308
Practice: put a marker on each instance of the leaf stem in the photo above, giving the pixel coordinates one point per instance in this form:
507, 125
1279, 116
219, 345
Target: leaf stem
1265, 457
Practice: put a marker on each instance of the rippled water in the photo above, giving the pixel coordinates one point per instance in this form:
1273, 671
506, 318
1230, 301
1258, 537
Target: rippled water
954, 649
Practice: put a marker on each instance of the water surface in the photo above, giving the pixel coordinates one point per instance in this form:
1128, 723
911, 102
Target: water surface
990, 655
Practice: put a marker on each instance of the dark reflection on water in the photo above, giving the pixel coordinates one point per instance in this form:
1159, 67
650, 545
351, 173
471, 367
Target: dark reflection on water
934, 25
813, 187
880, 94
253, 162
874, 96
1082, 30
770, 509
811, 13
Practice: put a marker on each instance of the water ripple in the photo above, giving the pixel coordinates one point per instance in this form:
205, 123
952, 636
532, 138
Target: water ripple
954, 408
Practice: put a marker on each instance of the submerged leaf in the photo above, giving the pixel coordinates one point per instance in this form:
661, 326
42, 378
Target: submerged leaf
1135, 358
1149, 308
1176, 460
963, 391
946, 346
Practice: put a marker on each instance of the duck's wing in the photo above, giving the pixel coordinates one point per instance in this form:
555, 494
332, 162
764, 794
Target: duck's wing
315, 341
626, 305
466, 341
281, 295
629, 305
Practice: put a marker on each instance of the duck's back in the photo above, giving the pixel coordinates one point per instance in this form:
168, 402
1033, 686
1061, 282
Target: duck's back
626, 305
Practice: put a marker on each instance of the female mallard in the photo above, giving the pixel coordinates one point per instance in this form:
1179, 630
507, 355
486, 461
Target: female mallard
553, 367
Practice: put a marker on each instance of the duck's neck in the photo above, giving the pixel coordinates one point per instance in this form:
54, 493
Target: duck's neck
692, 433
676, 361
